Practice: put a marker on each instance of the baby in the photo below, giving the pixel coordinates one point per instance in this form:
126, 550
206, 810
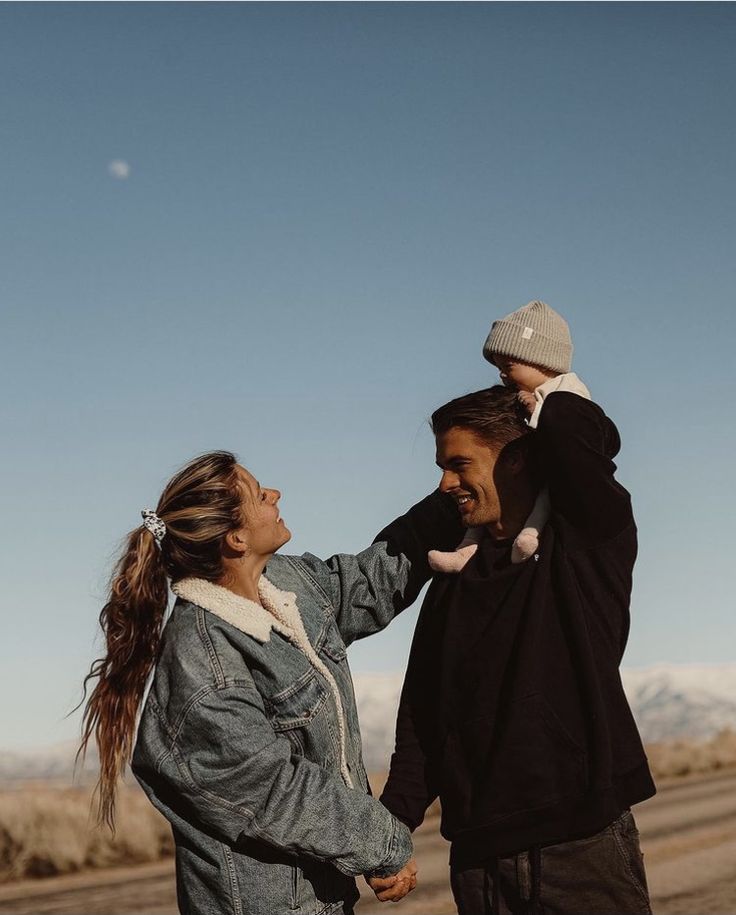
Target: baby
532, 350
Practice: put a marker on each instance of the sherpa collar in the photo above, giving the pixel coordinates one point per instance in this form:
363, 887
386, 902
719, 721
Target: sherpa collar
279, 610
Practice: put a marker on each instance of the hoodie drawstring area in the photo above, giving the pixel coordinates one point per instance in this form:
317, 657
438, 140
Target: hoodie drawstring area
535, 878
490, 888
491, 881
495, 906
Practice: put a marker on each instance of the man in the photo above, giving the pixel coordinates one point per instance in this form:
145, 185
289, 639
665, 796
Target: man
512, 710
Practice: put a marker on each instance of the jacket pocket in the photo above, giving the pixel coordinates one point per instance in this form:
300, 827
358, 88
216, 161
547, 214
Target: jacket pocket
299, 704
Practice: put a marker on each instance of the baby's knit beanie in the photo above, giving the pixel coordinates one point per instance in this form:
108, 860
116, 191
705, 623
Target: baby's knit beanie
535, 334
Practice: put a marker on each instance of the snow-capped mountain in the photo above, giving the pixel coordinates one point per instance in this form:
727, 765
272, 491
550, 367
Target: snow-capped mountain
669, 702
688, 700
56, 762
378, 700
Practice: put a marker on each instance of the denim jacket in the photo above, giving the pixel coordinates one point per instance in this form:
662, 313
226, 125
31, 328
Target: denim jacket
249, 740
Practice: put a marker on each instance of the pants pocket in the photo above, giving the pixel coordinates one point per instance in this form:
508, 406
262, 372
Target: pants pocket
600, 874
626, 839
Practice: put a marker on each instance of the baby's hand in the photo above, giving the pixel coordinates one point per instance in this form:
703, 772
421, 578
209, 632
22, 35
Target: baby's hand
528, 399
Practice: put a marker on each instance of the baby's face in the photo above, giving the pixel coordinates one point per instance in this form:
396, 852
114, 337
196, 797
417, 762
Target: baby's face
520, 375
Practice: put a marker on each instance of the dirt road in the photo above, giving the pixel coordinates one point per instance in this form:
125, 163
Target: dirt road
688, 834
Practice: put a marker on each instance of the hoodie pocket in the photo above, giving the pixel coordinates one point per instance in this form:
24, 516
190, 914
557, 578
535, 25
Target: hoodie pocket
537, 761
527, 761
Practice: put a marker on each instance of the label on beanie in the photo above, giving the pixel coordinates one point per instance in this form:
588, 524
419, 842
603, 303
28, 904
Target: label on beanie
527, 333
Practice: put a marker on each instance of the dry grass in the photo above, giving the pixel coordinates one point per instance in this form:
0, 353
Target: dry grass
46, 831
686, 757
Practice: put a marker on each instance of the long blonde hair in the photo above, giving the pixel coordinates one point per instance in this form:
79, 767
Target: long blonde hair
199, 505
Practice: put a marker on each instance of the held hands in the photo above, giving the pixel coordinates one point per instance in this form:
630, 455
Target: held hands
528, 400
391, 889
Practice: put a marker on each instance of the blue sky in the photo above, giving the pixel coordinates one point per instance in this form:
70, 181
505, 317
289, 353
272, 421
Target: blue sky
327, 205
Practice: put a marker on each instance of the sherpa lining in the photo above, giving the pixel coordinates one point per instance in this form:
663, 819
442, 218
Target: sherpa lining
278, 611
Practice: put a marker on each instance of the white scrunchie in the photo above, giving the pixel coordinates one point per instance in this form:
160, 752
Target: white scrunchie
154, 524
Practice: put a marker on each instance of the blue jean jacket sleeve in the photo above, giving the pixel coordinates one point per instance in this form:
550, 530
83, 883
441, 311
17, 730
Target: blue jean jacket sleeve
369, 589
242, 782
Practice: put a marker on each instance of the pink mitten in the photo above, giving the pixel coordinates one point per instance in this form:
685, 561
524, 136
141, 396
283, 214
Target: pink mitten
525, 545
527, 540
454, 561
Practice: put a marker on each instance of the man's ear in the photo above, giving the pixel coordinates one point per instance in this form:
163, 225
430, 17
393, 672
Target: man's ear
236, 541
516, 456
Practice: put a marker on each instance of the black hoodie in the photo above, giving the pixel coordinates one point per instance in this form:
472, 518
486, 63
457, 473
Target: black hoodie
512, 710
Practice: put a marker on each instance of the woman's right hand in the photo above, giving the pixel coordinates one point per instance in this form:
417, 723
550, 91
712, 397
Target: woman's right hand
391, 889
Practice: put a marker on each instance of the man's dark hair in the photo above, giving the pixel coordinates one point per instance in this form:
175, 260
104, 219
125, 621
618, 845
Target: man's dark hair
493, 414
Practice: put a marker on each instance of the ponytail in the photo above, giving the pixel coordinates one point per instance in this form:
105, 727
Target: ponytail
198, 507
131, 621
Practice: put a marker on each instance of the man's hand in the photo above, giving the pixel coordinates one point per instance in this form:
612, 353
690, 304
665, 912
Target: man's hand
528, 400
391, 889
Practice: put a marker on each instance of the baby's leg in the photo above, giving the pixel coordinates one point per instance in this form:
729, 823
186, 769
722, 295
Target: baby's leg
527, 541
459, 557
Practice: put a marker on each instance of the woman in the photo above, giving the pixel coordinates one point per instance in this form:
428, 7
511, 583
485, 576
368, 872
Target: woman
249, 741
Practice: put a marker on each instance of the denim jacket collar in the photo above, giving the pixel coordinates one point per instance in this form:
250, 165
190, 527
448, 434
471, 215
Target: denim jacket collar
279, 610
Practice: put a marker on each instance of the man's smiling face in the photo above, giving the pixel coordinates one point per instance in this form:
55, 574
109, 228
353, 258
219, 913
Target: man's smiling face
468, 465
